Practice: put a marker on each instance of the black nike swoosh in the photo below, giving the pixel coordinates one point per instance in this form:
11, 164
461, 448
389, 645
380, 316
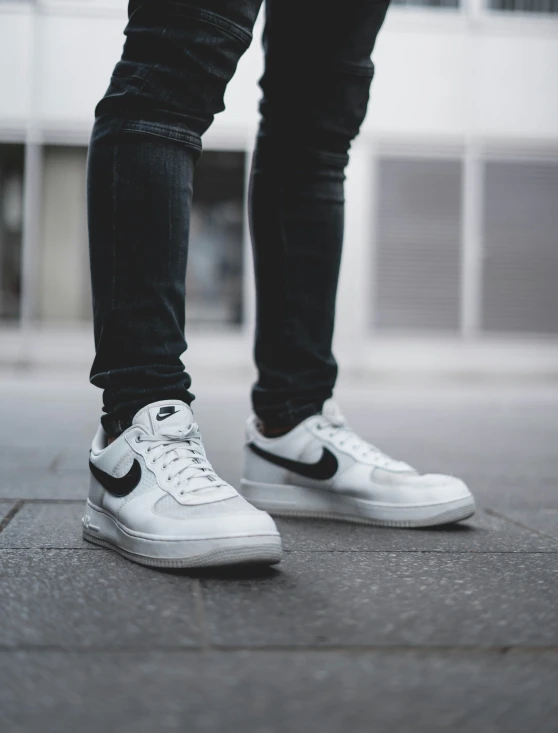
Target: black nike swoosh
324, 469
118, 486
160, 417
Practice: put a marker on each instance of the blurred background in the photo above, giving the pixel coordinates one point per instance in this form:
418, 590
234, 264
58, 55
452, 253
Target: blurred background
451, 255
447, 338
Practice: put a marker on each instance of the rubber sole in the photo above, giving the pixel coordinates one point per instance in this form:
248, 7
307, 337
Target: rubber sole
102, 529
297, 501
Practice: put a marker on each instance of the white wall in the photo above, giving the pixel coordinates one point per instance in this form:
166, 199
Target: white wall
438, 74
454, 78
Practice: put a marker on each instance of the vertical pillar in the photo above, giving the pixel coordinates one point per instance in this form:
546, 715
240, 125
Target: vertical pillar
352, 325
33, 167
32, 184
471, 251
248, 283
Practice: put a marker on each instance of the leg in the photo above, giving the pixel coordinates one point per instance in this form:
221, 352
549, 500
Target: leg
177, 60
315, 96
315, 93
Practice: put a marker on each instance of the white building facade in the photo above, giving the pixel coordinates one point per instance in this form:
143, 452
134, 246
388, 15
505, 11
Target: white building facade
451, 255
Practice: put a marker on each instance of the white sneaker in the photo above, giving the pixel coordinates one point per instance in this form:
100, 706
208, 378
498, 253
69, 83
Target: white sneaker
155, 498
321, 468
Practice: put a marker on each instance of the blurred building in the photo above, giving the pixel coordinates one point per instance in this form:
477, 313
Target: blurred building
452, 191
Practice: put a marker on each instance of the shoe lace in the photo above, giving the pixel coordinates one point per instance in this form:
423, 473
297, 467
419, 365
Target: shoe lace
342, 435
184, 459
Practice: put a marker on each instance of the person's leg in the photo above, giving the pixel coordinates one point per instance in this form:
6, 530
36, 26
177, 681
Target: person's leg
163, 95
304, 460
315, 86
153, 495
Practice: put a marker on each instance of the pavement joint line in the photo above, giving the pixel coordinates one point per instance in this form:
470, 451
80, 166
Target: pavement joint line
317, 552
515, 650
11, 514
205, 635
499, 515
53, 465
44, 501
73, 549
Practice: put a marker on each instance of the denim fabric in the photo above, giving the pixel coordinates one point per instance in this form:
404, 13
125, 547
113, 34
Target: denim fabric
164, 93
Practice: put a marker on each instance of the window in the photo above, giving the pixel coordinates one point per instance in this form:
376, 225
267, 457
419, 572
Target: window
428, 3
64, 290
214, 277
11, 225
418, 244
215, 256
520, 283
525, 6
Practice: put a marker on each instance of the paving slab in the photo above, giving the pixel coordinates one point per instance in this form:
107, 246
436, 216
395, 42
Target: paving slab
414, 599
482, 533
46, 525
515, 492
58, 525
279, 692
20, 457
544, 520
89, 599
34, 484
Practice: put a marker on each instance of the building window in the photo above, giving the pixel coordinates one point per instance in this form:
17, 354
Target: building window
524, 6
64, 292
428, 3
11, 226
418, 245
215, 257
520, 273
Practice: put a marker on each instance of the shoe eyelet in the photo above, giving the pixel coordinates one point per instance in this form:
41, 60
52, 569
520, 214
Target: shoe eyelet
148, 450
137, 439
181, 493
169, 478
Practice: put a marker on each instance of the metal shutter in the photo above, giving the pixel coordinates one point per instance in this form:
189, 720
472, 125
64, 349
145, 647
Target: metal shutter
520, 282
418, 244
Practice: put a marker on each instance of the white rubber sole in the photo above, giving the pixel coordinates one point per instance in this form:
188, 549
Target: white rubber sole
103, 529
297, 501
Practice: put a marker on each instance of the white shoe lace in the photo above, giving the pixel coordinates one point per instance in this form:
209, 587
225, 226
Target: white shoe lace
341, 434
184, 459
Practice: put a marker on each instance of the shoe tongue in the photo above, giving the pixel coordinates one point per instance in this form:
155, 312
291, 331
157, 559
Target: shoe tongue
333, 414
169, 417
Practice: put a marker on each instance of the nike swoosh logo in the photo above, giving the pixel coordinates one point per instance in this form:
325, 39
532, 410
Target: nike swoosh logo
118, 486
324, 469
164, 413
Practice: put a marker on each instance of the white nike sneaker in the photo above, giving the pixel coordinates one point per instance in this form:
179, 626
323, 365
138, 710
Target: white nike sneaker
321, 468
155, 498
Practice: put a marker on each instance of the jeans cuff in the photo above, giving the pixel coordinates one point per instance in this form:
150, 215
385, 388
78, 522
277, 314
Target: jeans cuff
288, 415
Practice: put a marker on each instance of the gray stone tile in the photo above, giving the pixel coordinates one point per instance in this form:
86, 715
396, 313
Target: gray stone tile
515, 492
58, 525
46, 524
280, 692
89, 599
543, 520
14, 458
387, 599
33, 484
481, 533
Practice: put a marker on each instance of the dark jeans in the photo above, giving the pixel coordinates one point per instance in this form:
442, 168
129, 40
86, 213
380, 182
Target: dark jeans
178, 57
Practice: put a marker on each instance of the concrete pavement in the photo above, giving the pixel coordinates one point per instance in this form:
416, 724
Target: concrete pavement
358, 629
